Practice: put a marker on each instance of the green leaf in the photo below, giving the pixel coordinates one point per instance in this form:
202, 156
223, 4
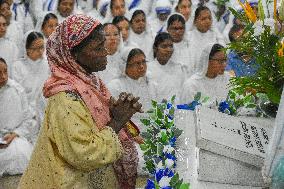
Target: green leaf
154, 103
174, 180
177, 132
160, 148
184, 186
164, 137
160, 114
173, 99
172, 111
197, 96
205, 99
146, 122
143, 147
250, 105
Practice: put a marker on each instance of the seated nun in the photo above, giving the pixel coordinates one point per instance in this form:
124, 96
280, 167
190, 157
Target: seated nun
166, 74
209, 78
17, 128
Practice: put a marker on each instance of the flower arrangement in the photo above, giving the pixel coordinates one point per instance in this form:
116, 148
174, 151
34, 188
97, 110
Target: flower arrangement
261, 41
159, 147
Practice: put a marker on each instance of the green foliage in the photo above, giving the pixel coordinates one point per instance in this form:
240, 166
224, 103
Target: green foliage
263, 49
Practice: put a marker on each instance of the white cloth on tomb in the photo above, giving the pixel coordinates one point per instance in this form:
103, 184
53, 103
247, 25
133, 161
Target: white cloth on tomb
16, 34
16, 116
198, 41
216, 88
9, 51
31, 75
168, 78
275, 149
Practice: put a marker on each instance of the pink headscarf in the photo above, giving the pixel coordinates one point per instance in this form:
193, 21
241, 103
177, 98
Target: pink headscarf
68, 75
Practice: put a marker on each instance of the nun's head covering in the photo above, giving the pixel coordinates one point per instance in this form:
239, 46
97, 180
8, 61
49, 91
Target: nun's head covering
25, 41
124, 56
103, 6
163, 7
40, 20
202, 65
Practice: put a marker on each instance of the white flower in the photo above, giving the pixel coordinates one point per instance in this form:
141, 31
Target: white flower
258, 29
165, 181
269, 22
169, 163
168, 149
160, 165
169, 130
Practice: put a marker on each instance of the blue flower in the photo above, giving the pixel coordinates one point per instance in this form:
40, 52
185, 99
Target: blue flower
224, 106
170, 156
167, 187
173, 141
150, 184
191, 106
163, 172
169, 105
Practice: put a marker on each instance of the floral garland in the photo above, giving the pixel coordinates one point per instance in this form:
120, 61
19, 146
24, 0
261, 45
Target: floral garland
159, 147
262, 42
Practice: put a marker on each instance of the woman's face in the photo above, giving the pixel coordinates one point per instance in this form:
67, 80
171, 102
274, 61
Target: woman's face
3, 74
65, 7
124, 29
49, 27
204, 21
184, 8
138, 24
3, 26
112, 38
92, 57
164, 51
36, 49
176, 31
136, 67
6, 11
118, 8
217, 65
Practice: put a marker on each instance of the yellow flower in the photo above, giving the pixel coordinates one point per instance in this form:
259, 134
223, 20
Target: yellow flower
249, 11
280, 51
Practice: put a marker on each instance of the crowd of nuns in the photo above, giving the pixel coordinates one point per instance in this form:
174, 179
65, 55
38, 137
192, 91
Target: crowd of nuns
156, 49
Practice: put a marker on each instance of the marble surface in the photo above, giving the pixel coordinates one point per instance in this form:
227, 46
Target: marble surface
187, 155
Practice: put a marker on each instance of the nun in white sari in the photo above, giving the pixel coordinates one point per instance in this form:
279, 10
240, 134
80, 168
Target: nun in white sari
62, 8
140, 32
182, 48
165, 73
209, 79
114, 47
17, 128
46, 24
134, 80
157, 21
14, 30
32, 71
202, 34
99, 13
8, 49
115, 8
184, 7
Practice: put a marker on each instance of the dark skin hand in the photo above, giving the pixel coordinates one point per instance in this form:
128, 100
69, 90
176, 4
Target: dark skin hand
122, 109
